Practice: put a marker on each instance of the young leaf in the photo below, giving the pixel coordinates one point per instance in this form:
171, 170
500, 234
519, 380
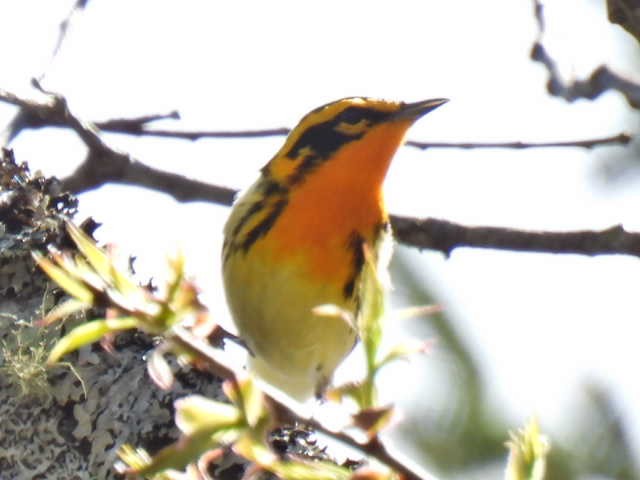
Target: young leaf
177, 455
73, 287
88, 333
370, 321
253, 403
256, 452
98, 259
402, 351
134, 458
159, 370
63, 310
528, 449
373, 420
195, 412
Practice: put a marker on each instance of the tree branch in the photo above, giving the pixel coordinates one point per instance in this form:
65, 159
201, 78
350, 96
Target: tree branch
445, 236
63, 28
601, 80
626, 14
620, 139
136, 126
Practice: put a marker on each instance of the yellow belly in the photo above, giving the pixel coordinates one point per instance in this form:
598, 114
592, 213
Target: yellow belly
271, 303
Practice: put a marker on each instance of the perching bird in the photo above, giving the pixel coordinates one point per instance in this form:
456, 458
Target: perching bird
295, 240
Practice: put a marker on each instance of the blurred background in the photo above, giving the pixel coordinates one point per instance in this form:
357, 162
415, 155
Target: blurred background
522, 334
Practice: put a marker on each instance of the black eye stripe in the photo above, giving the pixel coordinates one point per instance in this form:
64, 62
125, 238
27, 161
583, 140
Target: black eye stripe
354, 115
324, 139
351, 115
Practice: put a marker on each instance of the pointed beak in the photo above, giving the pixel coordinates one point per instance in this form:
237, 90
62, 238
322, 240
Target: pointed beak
413, 111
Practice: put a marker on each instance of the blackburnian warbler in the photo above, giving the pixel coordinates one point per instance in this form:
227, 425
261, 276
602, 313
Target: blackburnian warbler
295, 240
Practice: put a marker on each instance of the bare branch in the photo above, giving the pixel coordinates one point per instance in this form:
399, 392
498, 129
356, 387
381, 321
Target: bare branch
63, 29
104, 164
137, 126
626, 14
446, 236
619, 139
116, 167
134, 127
601, 80
85, 130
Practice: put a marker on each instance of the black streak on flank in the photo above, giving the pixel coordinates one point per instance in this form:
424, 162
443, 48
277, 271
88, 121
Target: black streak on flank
269, 189
261, 229
356, 245
251, 211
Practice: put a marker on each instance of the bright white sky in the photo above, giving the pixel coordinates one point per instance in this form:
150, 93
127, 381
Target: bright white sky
542, 324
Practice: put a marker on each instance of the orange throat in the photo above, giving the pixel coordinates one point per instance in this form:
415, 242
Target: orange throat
341, 198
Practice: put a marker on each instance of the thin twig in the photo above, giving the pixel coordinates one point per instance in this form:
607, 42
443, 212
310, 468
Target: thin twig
192, 134
619, 139
63, 30
138, 128
135, 124
129, 127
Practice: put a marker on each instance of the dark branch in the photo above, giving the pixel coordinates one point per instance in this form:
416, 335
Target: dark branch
137, 127
626, 14
445, 236
192, 134
620, 139
601, 80
116, 167
135, 124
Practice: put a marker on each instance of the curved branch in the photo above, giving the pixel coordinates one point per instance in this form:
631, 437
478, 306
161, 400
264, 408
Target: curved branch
116, 167
600, 80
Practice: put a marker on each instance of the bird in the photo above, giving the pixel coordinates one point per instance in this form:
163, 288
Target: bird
297, 239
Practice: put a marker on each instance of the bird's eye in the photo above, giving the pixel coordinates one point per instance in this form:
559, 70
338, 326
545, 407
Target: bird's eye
351, 115
352, 122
